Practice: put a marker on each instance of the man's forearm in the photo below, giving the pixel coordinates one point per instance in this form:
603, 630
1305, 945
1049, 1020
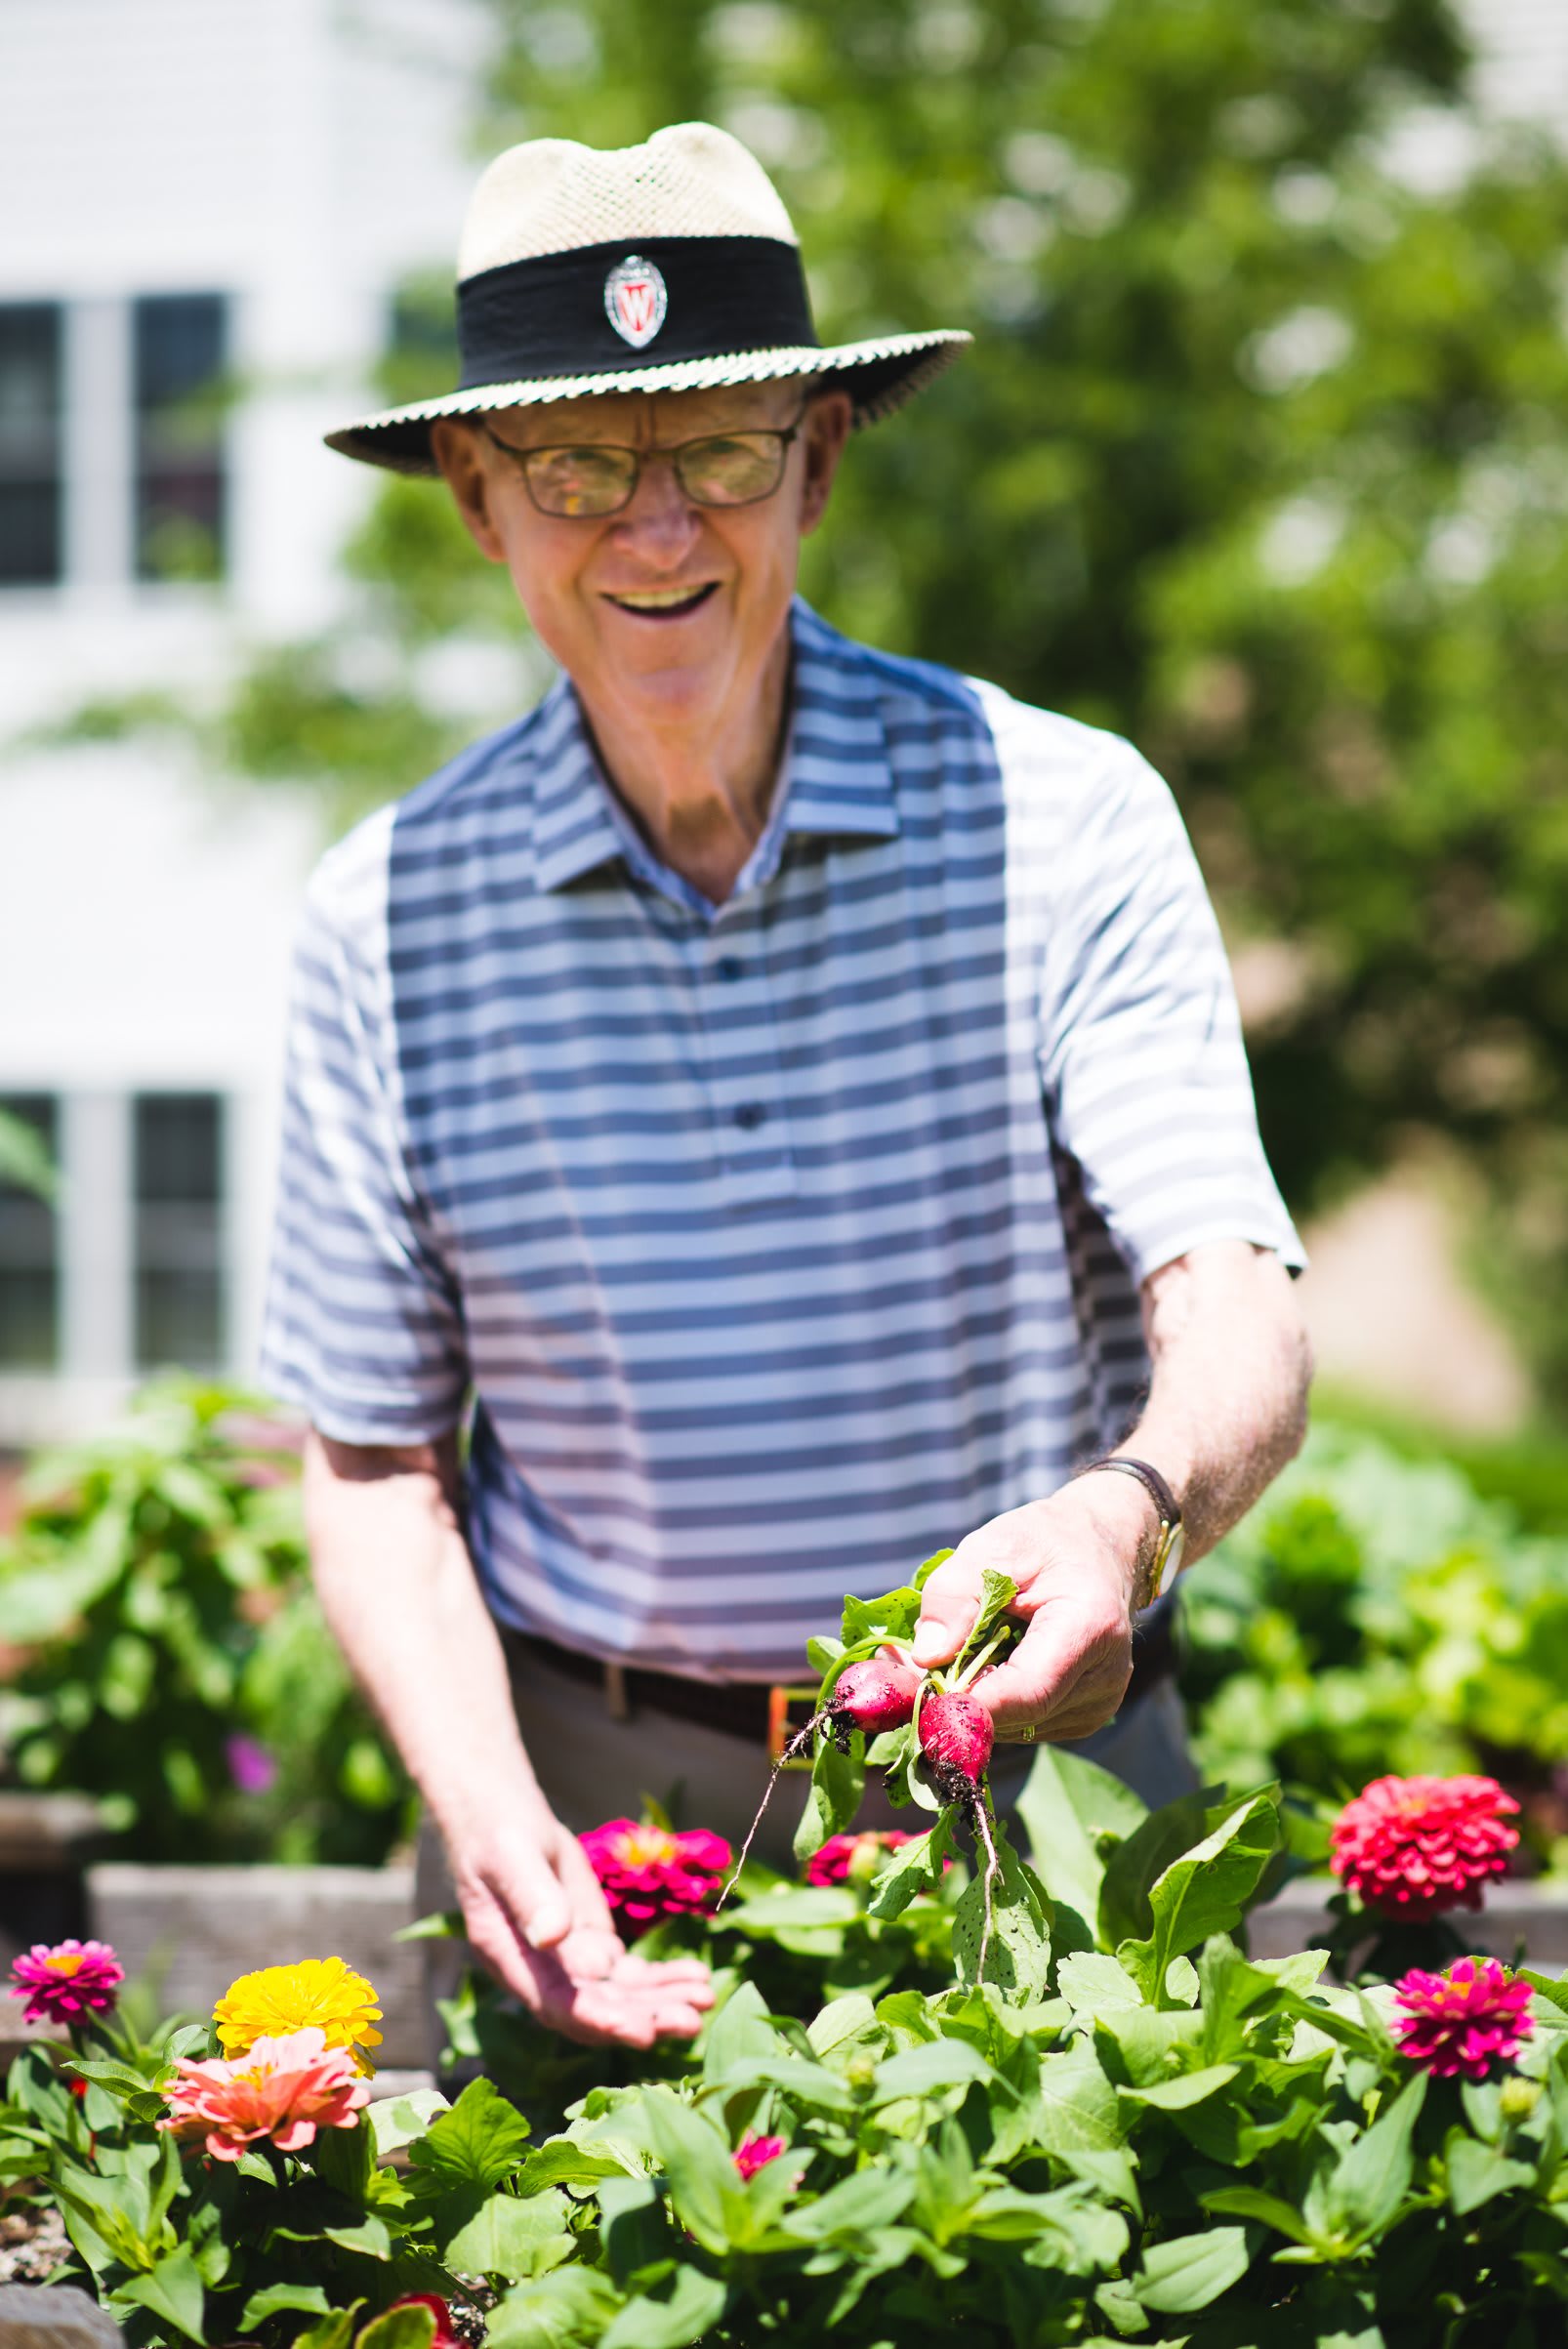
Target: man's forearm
1227, 1398
398, 1589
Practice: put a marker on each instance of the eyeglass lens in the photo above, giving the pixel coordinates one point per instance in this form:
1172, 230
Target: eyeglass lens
733, 468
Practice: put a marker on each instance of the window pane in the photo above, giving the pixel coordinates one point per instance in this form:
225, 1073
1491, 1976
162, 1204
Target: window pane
29, 1249
30, 470
179, 1230
181, 493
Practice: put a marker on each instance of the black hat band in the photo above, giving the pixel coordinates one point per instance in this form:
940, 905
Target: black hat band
716, 297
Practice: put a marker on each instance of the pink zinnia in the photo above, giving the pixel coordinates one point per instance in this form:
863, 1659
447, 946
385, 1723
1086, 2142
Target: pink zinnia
1413, 1846
752, 2154
66, 1981
281, 2089
856, 1857
1458, 2022
649, 1873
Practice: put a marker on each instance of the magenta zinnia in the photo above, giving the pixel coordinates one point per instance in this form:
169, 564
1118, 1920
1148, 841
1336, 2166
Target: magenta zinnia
649, 1873
752, 2154
1458, 2024
856, 1858
66, 1981
1414, 1846
282, 2090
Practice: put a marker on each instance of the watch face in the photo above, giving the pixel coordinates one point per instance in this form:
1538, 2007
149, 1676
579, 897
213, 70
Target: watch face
1170, 1561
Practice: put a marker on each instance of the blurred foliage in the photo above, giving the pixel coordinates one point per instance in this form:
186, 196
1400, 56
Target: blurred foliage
1376, 1613
25, 1160
166, 1653
1258, 458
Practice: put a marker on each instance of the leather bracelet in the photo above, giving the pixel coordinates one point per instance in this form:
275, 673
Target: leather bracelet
1165, 1563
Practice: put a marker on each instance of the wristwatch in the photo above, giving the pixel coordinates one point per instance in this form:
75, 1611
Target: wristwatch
1165, 1563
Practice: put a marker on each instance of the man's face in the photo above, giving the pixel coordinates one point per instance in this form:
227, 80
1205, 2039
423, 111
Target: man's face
666, 613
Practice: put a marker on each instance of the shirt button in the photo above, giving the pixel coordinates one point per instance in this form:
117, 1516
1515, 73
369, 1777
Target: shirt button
729, 967
750, 1115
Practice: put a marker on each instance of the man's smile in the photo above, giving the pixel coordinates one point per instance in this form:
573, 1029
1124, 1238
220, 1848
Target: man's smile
662, 603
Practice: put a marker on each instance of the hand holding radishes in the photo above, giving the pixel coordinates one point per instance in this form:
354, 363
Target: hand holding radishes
1074, 1562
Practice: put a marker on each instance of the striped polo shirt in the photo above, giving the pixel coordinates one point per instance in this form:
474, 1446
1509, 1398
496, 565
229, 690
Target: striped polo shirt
772, 1245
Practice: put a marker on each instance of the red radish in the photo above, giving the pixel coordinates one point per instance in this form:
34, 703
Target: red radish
956, 1738
876, 1694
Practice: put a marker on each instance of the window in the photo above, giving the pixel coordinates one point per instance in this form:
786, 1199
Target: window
178, 1155
181, 494
31, 535
29, 1236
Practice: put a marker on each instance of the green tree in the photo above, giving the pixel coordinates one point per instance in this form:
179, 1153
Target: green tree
1260, 458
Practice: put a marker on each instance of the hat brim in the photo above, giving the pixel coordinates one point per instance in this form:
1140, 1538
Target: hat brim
880, 376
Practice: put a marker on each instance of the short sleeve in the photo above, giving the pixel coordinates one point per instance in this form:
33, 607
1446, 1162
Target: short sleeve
1141, 1056
364, 1326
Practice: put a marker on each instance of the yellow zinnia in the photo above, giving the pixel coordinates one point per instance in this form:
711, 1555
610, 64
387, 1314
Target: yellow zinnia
283, 1999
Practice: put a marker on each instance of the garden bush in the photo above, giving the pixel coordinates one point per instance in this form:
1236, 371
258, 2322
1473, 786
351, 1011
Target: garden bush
1375, 1614
167, 1654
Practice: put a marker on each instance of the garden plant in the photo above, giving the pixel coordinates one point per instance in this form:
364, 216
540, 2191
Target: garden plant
1101, 2121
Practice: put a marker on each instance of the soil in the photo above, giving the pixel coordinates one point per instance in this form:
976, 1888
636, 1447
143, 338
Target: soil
32, 2244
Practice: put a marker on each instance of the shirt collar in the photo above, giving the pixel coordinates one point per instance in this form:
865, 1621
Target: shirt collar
837, 773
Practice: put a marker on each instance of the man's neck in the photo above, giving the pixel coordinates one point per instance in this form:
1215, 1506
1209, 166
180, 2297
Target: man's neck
701, 800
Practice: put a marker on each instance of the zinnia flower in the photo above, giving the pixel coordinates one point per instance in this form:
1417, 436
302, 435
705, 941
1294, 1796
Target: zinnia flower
1458, 2022
252, 1768
318, 1992
856, 1857
752, 2154
66, 1981
443, 2337
284, 2090
649, 1873
1414, 1846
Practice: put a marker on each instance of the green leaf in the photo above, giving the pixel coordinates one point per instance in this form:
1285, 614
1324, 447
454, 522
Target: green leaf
915, 1868
859, 2208
998, 1591
396, 2120
514, 2236
705, 2189
1078, 2106
1189, 2271
926, 2070
172, 2289
1367, 2186
370, 2236
1187, 2089
691, 2307
1248, 2201
477, 2142
310, 2297
400, 2328
838, 1781
1553, 1988
344, 2159
1205, 1891
439, 1924
1094, 1983
569, 2309
1478, 2173
335, 2331
1018, 1955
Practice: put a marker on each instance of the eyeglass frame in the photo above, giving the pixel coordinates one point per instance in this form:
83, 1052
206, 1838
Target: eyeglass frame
785, 435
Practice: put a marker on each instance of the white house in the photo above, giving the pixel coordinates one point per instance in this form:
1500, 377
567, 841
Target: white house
196, 191
191, 191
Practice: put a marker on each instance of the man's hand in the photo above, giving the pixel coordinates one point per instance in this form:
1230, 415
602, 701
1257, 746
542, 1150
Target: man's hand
537, 1916
1075, 1558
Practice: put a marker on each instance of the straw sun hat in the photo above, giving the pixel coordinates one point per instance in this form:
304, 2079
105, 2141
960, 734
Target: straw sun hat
670, 267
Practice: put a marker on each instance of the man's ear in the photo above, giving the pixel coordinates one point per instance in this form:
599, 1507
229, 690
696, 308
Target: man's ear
457, 451
824, 430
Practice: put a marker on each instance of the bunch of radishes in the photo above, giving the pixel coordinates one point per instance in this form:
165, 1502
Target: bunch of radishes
871, 1686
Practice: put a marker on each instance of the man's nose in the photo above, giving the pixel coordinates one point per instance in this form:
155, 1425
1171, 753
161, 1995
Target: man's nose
661, 523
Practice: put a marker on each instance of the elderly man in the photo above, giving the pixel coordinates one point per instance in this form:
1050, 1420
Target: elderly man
785, 1103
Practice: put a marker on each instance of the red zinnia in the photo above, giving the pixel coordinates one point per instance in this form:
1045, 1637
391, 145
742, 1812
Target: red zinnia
66, 1981
856, 1857
1458, 2022
649, 1873
752, 2154
1413, 1846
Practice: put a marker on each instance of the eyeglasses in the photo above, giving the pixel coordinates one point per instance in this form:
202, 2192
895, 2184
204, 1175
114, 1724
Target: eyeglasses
587, 483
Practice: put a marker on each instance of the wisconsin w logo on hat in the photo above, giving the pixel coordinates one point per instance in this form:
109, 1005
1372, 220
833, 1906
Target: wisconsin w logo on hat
574, 260
636, 298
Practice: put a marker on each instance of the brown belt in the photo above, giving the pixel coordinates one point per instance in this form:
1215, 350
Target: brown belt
750, 1710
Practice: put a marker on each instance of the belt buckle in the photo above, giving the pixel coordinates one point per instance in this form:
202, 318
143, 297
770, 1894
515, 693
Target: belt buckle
781, 1727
